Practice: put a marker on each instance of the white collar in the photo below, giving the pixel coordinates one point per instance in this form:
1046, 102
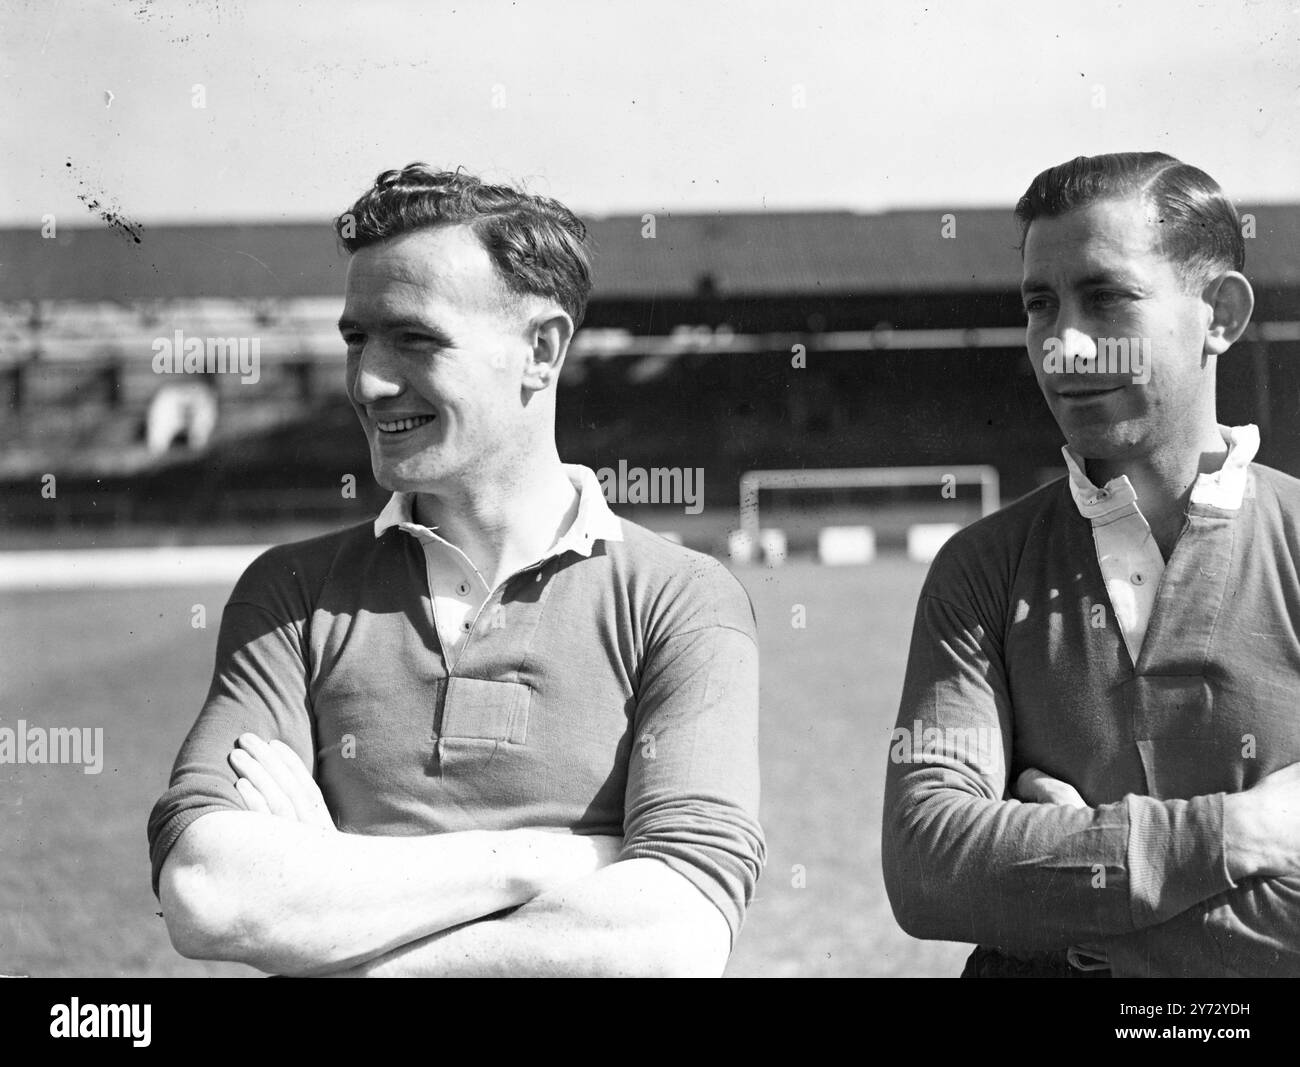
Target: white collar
1223, 489
594, 521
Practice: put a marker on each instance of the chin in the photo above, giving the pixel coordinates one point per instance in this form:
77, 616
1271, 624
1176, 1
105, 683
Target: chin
1111, 442
401, 478
409, 485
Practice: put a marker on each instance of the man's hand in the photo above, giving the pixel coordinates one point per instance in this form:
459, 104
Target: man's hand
1261, 827
1035, 787
274, 781
280, 888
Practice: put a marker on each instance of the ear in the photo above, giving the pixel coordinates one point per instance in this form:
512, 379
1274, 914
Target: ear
551, 331
1231, 300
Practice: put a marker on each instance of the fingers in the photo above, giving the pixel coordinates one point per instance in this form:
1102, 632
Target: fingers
1035, 787
278, 782
262, 775
296, 767
1027, 787
253, 799
308, 800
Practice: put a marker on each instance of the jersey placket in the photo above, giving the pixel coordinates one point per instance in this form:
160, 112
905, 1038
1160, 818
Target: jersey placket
1172, 708
455, 584
456, 659
1129, 559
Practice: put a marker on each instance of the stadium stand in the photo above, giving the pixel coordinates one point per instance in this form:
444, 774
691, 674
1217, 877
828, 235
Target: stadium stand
911, 341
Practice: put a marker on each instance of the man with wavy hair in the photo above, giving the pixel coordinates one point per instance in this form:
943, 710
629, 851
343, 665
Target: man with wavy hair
495, 730
1126, 639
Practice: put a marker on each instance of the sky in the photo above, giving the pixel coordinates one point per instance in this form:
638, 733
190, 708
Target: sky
626, 108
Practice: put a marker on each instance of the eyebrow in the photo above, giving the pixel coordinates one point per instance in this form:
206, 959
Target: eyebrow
392, 325
1098, 277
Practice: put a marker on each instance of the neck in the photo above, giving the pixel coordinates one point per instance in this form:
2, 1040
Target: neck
505, 523
1163, 479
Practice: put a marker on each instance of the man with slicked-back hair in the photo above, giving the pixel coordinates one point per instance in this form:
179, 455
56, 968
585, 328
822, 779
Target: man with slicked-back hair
1095, 770
494, 730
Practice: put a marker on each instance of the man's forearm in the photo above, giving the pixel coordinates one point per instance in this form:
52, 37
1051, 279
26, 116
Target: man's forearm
295, 899
637, 917
1251, 931
964, 867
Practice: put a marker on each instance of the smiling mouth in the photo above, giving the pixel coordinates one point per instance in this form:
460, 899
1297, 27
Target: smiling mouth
400, 426
1085, 394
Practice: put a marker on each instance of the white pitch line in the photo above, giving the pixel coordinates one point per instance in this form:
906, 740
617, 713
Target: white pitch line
91, 568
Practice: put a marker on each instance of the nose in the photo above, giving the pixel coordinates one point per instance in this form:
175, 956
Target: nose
374, 374
1064, 345
1077, 343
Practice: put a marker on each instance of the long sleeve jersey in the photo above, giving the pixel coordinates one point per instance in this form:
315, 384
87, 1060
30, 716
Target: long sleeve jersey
1017, 661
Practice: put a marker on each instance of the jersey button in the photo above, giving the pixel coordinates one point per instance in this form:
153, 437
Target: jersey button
462, 589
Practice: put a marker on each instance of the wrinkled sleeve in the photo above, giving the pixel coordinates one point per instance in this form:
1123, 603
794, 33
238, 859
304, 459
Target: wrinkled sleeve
964, 862
693, 786
1251, 931
259, 685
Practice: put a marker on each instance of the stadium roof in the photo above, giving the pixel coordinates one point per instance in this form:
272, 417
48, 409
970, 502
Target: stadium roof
760, 254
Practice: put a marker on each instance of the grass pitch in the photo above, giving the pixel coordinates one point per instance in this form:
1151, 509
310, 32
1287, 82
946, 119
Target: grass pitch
74, 872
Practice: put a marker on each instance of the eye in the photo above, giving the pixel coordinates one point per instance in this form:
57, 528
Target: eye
1107, 297
352, 338
1035, 303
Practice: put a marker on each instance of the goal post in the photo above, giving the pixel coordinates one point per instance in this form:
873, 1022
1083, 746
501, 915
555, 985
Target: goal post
752, 483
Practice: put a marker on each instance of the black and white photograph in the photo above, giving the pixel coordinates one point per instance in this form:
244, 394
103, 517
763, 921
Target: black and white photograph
703, 489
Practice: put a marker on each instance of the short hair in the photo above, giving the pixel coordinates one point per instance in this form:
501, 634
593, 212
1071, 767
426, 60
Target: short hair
537, 245
1200, 230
